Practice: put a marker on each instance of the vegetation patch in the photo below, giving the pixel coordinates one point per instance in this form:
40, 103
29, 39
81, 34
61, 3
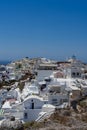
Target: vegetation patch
33, 125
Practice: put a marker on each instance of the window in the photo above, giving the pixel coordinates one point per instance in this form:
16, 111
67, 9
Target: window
73, 73
65, 100
78, 74
45, 102
54, 101
25, 115
32, 104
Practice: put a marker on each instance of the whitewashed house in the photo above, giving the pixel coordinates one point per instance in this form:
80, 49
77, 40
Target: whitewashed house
32, 107
73, 72
28, 110
29, 89
57, 95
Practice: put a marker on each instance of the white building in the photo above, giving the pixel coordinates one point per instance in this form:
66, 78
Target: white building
73, 72
57, 95
32, 107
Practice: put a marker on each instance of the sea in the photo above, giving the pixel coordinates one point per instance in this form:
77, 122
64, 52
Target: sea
4, 62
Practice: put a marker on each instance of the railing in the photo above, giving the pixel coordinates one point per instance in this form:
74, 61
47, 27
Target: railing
44, 115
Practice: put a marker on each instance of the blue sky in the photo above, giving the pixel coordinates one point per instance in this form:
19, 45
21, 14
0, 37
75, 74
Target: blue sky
43, 28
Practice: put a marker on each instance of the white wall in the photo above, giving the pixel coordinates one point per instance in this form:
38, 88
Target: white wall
58, 97
37, 103
32, 114
17, 114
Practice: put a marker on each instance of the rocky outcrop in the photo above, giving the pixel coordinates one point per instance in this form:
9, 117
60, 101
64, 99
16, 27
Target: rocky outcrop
11, 124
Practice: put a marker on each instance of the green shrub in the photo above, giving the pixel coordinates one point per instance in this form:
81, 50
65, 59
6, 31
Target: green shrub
83, 104
21, 86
